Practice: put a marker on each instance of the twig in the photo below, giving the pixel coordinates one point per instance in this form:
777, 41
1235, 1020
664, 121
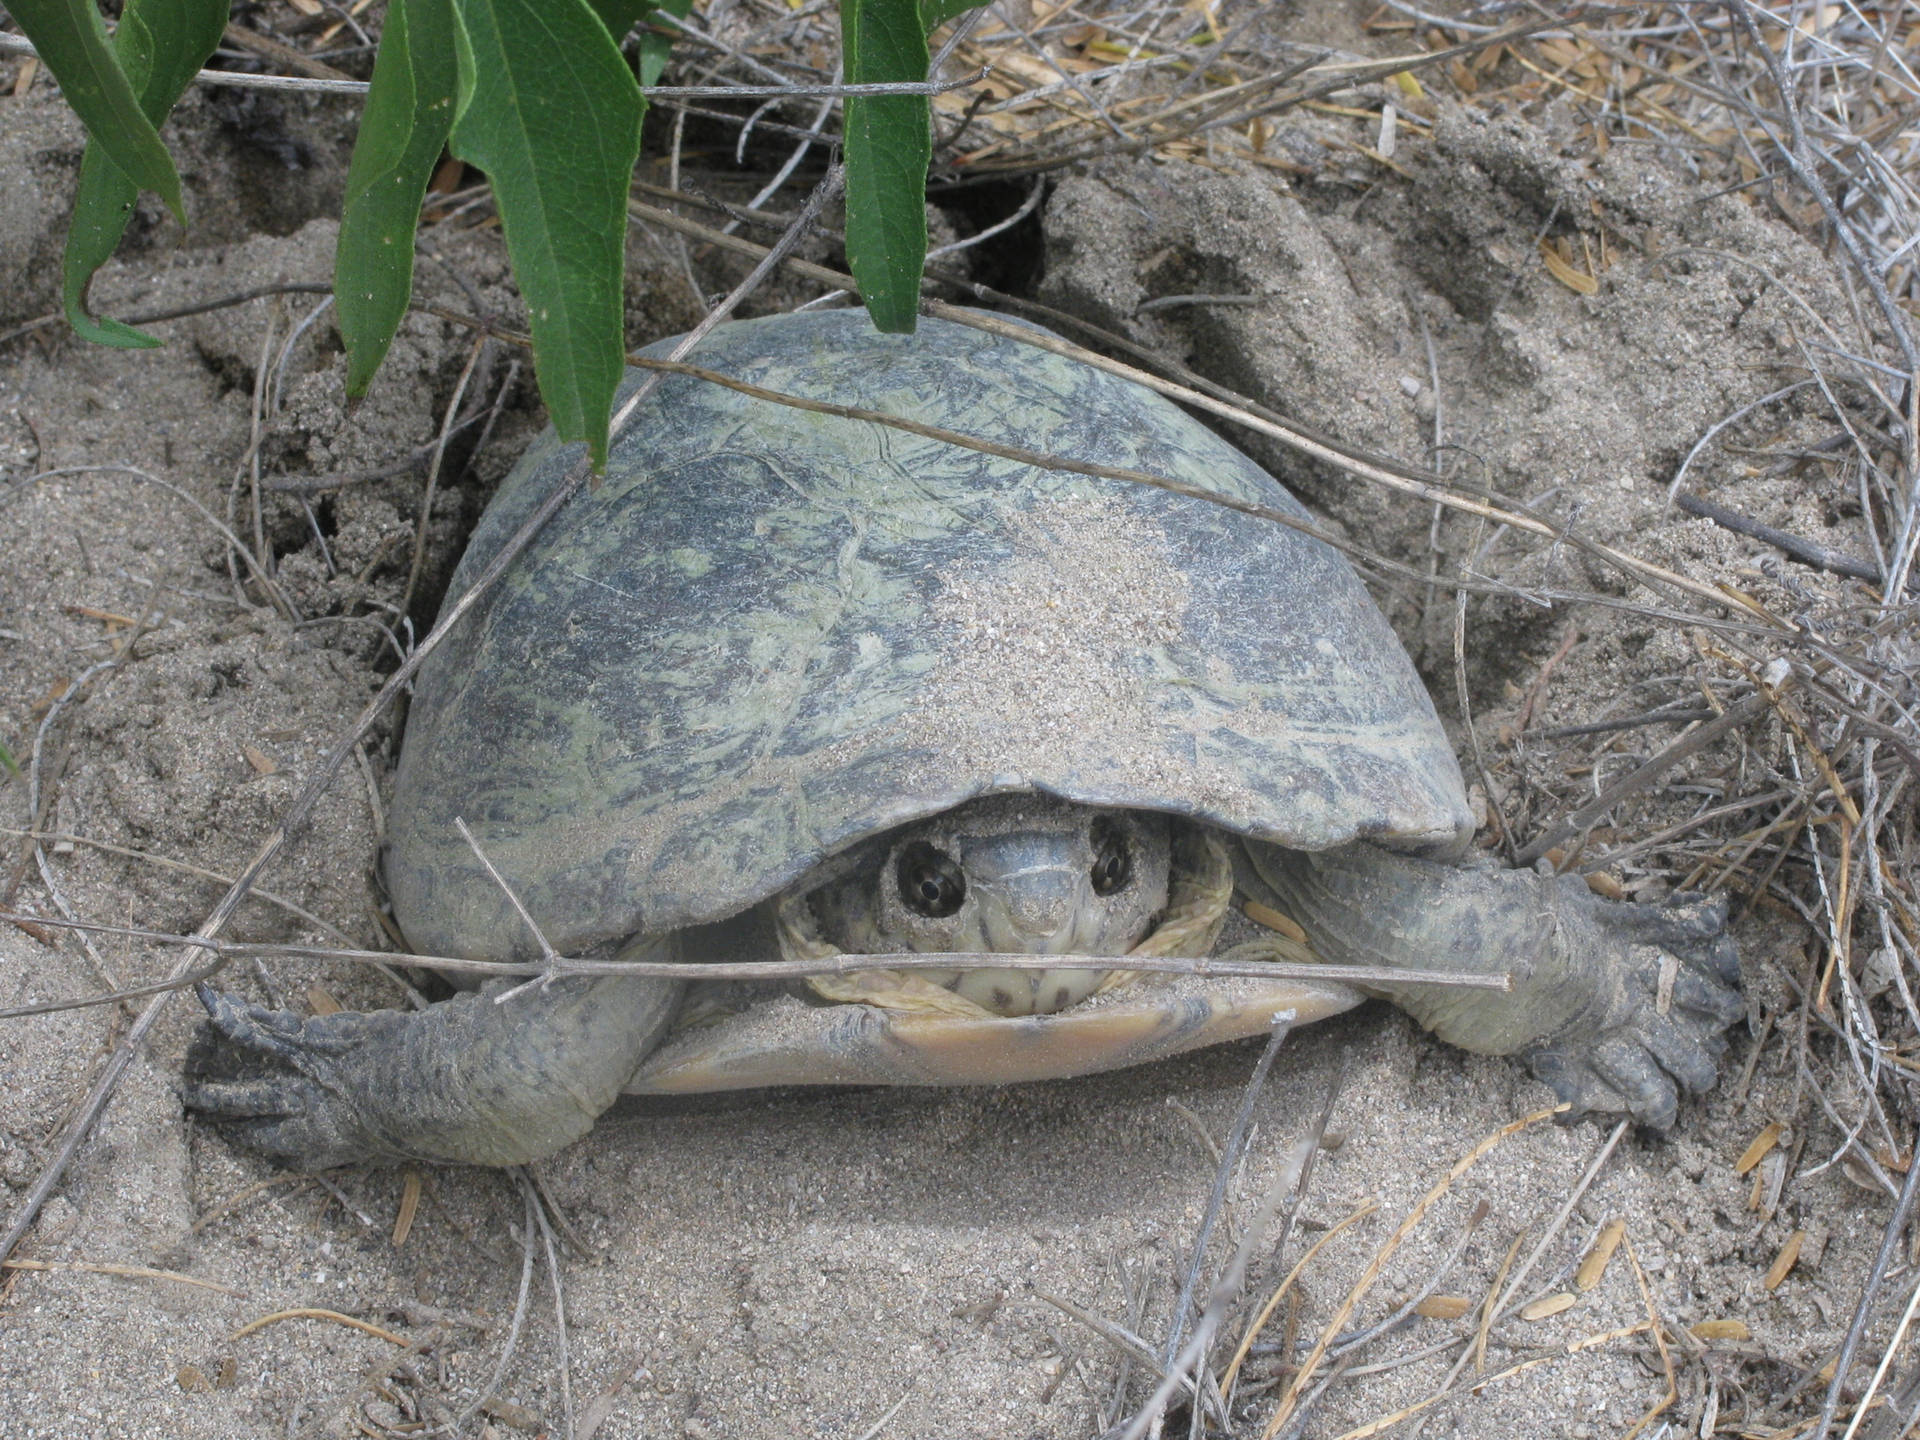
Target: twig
1572, 1347
134, 1272
1694, 741
1865, 1407
539, 1213
438, 455
1560, 1217
823, 193
1236, 105
841, 963
411, 460
1317, 1136
1680, 712
1225, 1290
1656, 1329
20, 45
874, 1429
1230, 1154
1185, 1112
528, 1230
178, 312
1489, 1306
40, 800
1354, 1340
1497, 1309
549, 957
253, 563
279, 53
801, 90
308, 1312
250, 462
1798, 158
1258, 1323
1680, 475
1805, 551
1291, 1398
1121, 1338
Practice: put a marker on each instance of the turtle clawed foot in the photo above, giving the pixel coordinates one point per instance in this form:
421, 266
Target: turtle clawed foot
1694, 930
267, 1077
1660, 1033
1622, 1074
270, 1117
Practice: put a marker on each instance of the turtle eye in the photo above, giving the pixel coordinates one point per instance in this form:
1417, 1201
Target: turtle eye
930, 881
1112, 859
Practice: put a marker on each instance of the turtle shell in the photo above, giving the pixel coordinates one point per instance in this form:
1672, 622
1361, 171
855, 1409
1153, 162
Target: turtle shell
770, 634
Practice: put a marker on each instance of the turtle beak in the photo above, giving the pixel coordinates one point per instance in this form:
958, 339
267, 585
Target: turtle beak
1028, 890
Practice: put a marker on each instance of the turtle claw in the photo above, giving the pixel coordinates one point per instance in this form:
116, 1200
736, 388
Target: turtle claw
236, 1101
1613, 1077
278, 1034
1575, 1081
269, 1117
1656, 1031
1617, 1007
268, 1076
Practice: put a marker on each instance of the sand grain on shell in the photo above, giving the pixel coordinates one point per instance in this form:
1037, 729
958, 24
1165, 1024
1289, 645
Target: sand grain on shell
1043, 655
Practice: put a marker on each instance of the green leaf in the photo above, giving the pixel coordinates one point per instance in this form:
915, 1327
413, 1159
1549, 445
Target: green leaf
935, 13
656, 46
403, 129
889, 143
620, 16
102, 205
72, 40
548, 108
159, 48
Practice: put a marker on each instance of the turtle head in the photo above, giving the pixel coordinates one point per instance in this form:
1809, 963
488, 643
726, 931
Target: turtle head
1027, 874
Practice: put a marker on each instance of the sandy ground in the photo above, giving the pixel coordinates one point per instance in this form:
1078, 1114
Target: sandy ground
846, 1264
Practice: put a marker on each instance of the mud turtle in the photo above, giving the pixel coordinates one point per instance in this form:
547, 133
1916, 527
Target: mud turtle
788, 682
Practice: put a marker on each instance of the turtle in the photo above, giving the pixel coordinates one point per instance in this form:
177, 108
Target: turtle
795, 683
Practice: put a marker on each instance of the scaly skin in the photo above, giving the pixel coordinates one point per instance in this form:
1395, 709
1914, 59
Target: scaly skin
465, 1081
1584, 1011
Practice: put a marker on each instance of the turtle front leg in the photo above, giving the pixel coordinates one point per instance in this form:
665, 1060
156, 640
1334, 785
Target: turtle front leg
1613, 1005
466, 1080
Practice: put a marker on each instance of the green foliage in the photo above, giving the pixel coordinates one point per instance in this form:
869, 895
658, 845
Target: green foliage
888, 142
402, 132
620, 16
122, 89
72, 41
534, 92
935, 13
552, 113
656, 46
